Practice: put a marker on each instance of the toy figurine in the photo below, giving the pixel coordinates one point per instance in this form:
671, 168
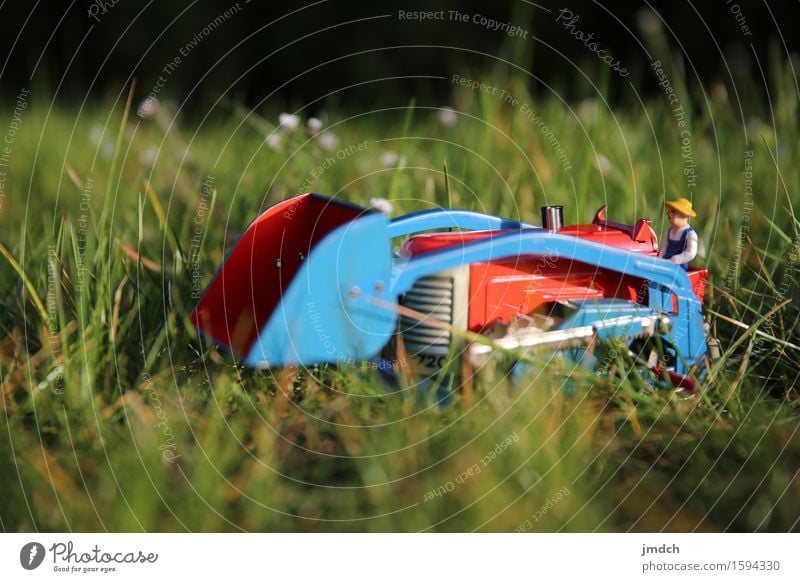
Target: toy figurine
680, 242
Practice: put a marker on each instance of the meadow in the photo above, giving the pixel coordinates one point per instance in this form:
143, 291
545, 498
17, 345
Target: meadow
118, 417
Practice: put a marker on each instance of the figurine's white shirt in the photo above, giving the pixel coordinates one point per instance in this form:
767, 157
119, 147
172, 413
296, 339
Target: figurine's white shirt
689, 249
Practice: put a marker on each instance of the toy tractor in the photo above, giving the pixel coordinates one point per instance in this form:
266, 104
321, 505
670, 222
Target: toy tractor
314, 280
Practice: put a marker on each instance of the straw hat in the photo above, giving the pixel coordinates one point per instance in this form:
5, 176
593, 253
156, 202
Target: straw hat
681, 205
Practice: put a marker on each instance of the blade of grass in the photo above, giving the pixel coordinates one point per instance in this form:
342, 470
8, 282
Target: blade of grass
112, 171
447, 186
758, 332
778, 230
403, 149
28, 285
146, 263
720, 364
783, 184
162, 220
210, 214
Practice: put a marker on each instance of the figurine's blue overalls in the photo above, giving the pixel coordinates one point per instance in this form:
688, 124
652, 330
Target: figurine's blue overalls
676, 247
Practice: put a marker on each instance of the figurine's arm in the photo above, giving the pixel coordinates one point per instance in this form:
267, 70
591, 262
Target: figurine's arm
689, 249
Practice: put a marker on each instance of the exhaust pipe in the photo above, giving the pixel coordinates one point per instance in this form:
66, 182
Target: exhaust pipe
552, 218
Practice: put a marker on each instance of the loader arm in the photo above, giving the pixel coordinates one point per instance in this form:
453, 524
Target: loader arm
445, 218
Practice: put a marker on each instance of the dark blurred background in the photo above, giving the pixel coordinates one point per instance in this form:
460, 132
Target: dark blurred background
304, 50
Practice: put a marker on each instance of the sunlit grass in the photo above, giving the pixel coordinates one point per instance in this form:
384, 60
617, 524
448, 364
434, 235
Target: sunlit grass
117, 416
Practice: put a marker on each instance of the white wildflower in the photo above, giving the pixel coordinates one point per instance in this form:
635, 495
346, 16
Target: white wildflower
288, 122
274, 141
328, 141
448, 116
314, 125
148, 156
381, 204
147, 108
587, 111
388, 159
96, 134
108, 149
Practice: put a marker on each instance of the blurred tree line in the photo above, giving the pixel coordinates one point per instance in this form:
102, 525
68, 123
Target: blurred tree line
292, 52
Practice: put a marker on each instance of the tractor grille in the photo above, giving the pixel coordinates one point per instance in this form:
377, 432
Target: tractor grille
432, 296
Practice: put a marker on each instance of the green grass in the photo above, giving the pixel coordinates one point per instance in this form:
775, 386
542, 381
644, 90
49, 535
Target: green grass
116, 416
